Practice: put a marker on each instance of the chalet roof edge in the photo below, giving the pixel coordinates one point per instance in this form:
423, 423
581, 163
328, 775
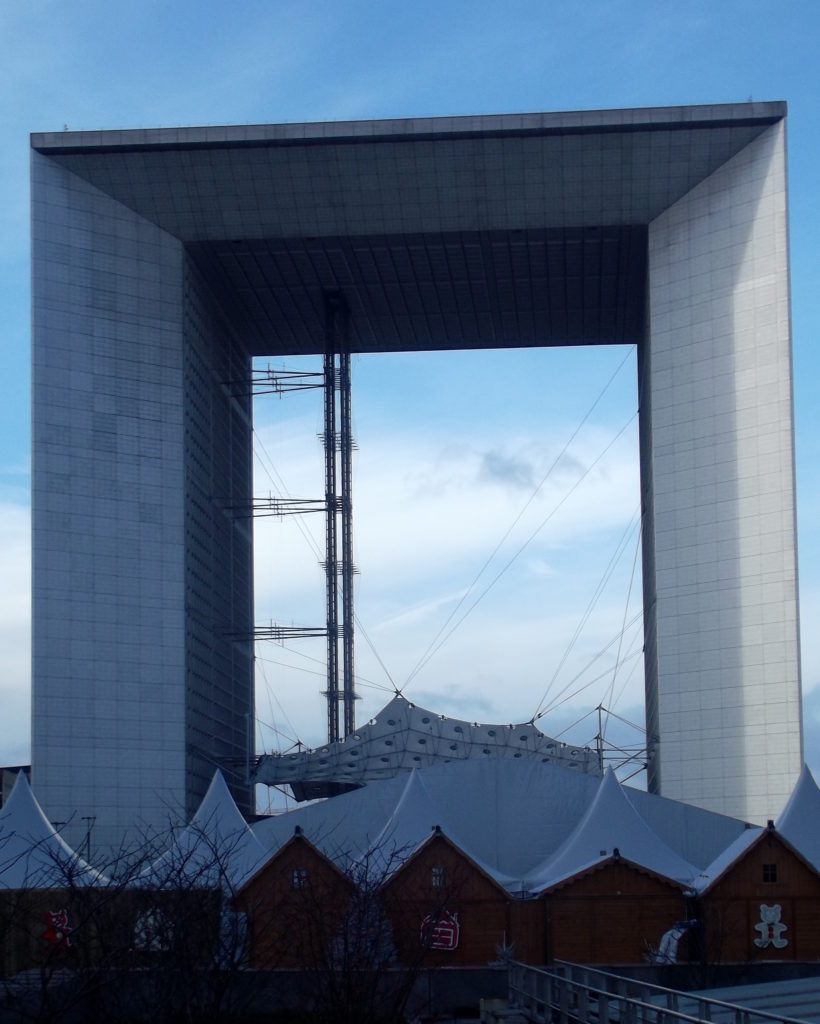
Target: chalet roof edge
594, 866
413, 128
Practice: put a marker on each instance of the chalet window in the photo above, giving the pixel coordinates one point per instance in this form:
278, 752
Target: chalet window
438, 877
769, 872
298, 878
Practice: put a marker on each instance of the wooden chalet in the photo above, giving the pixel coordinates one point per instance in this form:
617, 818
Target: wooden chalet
445, 909
295, 906
613, 912
760, 901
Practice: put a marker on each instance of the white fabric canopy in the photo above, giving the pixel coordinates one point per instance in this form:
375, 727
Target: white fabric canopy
404, 736
32, 854
409, 827
611, 823
799, 821
216, 848
509, 815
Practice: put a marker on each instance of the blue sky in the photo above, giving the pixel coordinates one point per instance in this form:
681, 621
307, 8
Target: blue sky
445, 461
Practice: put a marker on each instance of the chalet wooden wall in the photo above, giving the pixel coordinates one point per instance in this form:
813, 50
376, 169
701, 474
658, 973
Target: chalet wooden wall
22, 926
120, 928
613, 914
295, 905
441, 878
528, 930
730, 909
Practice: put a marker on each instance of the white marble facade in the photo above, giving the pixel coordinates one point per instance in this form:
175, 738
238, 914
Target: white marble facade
136, 693
164, 259
108, 589
722, 603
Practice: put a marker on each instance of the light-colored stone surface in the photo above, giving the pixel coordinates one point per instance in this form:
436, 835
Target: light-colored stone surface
718, 397
162, 258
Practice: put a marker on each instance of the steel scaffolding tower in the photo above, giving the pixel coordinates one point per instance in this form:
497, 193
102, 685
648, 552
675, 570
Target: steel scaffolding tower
338, 444
337, 439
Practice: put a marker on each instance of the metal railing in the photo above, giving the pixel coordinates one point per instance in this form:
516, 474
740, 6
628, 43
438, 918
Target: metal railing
574, 994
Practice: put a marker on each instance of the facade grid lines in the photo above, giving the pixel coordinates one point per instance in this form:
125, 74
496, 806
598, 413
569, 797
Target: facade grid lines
164, 260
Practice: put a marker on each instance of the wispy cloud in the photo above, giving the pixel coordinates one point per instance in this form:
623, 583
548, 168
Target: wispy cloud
455, 702
419, 612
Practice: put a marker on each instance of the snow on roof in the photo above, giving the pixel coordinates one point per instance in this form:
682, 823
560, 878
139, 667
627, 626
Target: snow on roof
32, 854
610, 823
404, 736
799, 821
720, 865
216, 848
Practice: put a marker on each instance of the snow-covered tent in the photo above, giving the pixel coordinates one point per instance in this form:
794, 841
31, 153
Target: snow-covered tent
611, 824
216, 848
32, 854
404, 736
799, 821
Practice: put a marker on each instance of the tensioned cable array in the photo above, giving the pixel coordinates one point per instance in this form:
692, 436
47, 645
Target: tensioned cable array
432, 648
444, 634
602, 583
556, 702
521, 549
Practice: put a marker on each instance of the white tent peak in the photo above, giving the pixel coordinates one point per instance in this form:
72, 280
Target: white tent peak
32, 853
799, 821
407, 828
217, 847
218, 810
610, 823
416, 818
511, 814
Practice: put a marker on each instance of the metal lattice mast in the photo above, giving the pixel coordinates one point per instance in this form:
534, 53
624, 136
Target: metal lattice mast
331, 502
346, 509
338, 438
337, 506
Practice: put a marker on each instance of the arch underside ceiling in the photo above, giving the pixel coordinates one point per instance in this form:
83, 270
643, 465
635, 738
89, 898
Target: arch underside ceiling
475, 232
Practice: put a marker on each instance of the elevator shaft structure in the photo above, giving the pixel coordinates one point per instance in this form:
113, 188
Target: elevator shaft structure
338, 446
